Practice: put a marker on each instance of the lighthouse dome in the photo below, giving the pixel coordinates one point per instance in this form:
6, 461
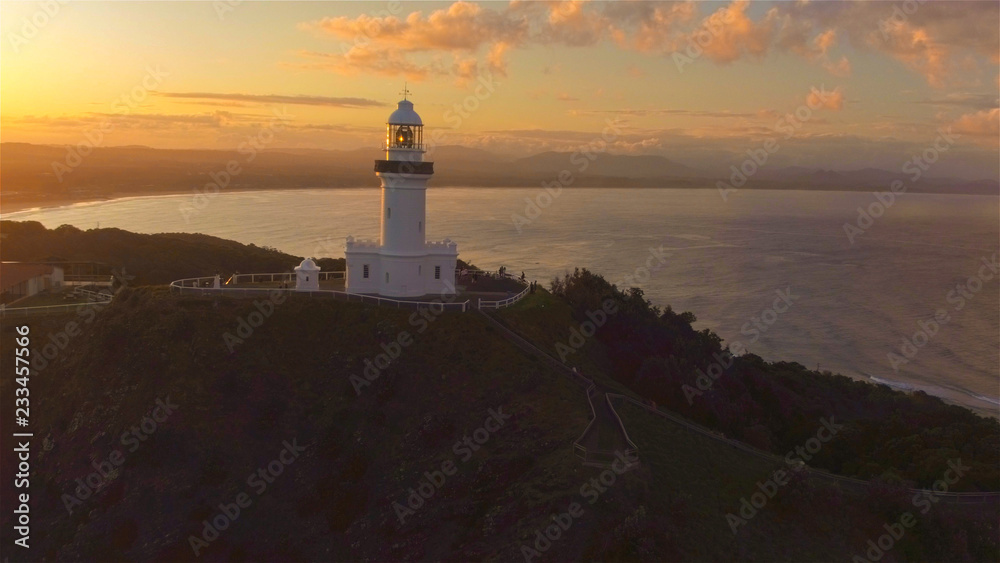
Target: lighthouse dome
404, 115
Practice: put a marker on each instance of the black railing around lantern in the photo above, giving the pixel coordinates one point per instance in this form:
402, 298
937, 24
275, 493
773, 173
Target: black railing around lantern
404, 167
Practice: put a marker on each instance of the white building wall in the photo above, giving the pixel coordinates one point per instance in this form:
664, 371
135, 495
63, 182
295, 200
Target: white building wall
404, 212
403, 276
357, 256
58, 277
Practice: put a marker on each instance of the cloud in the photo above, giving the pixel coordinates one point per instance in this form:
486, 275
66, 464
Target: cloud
984, 123
139, 121
684, 112
840, 69
938, 40
738, 35
963, 99
564, 97
655, 27
382, 44
833, 100
367, 58
276, 99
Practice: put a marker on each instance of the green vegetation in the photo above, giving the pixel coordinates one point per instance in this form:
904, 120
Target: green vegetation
773, 406
292, 379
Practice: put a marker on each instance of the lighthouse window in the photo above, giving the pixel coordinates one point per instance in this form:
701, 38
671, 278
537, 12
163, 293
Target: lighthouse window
388, 213
364, 273
420, 226
387, 277
420, 270
437, 272
404, 137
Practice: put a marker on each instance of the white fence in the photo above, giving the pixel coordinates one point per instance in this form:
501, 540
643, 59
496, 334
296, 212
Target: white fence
92, 295
6, 312
504, 302
203, 286
277, 277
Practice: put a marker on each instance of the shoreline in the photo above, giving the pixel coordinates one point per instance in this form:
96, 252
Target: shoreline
17, 206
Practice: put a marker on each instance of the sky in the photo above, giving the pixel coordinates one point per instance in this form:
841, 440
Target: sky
871, 83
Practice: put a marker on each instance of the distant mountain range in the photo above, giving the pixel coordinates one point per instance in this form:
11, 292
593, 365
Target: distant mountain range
43, 174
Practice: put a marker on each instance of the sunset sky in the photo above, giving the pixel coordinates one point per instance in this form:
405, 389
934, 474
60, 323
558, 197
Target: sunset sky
207, 74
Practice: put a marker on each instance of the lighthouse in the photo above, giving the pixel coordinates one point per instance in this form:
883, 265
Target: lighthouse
402, 263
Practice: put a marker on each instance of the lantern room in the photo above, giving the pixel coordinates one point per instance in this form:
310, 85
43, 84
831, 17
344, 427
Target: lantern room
404, 130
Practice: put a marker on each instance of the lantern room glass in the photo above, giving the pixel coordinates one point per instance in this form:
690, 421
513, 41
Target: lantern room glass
404, 136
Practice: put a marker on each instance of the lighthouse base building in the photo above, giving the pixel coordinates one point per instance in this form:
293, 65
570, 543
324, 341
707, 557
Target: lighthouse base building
402, 263
371, 270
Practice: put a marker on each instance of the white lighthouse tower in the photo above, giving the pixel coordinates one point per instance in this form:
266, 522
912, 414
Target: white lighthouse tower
402, 263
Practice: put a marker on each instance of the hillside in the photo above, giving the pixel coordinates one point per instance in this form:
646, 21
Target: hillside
656, 354
152, 259
291, 381
295, 380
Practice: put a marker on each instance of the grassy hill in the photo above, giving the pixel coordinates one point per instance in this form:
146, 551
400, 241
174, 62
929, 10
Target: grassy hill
297, 378
291, 380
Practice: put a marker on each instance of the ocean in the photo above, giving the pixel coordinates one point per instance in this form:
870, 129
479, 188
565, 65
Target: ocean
909, 298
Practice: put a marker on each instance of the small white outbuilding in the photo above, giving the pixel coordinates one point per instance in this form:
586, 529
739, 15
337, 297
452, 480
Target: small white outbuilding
307, 276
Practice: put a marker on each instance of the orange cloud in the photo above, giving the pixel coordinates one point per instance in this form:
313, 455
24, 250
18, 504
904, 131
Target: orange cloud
937, 40
634, 71
366, 58
827, 100
984, 123
275, 99
735, 34
918, 50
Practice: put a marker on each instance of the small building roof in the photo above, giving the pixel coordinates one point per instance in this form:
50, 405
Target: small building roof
307, 265
14, 273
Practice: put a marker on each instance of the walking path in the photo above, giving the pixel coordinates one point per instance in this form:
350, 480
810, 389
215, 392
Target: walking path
605, 435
